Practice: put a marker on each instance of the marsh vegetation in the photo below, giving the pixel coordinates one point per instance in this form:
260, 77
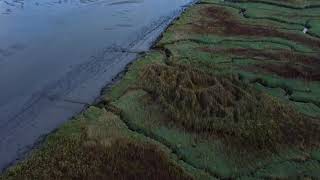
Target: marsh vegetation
222, 95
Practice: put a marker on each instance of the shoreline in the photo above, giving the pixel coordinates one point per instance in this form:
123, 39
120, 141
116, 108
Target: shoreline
39, 143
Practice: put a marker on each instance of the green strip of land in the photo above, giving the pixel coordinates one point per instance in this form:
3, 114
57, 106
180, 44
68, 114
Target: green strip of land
231, 91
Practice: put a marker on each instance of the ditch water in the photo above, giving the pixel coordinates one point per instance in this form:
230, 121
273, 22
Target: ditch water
56, 55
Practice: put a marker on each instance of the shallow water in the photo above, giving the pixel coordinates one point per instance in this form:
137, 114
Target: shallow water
56, 55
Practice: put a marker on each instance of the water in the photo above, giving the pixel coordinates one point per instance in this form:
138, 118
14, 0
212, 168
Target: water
56, 55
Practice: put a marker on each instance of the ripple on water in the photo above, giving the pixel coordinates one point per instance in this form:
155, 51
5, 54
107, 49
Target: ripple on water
11, 6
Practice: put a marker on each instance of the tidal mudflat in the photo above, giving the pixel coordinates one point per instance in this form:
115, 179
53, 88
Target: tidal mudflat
56, 56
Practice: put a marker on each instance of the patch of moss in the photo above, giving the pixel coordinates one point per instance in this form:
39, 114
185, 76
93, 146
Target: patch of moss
132, 74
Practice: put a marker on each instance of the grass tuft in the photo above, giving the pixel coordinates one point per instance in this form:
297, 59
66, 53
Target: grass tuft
102, 149
224, 106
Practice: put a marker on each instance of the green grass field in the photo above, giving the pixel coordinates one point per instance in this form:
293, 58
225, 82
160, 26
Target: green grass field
231, 91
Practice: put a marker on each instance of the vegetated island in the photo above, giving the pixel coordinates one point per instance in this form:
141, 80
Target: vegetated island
231, 91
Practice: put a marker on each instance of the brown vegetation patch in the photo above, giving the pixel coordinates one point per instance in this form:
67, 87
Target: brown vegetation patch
222, 22
289, 70
226, 107
124, 159
294, 2
280, 55
293, 65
